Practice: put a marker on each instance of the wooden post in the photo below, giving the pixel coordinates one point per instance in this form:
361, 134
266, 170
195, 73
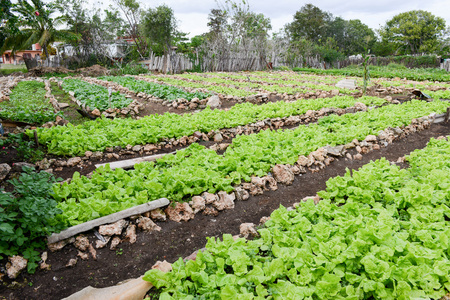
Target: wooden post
447, 114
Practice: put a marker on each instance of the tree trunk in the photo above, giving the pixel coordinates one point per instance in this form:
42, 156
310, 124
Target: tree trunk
46, 51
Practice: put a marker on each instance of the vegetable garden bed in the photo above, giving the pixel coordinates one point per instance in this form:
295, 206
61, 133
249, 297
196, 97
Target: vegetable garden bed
246, 141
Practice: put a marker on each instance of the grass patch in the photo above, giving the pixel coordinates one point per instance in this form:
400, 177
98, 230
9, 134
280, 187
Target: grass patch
8, 69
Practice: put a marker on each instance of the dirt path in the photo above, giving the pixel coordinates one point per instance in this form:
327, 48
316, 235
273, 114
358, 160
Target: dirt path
181, 239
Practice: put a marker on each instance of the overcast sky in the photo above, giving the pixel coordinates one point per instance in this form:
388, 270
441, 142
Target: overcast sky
193, 14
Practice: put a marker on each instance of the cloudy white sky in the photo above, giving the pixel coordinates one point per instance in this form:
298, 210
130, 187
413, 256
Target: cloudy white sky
193, 14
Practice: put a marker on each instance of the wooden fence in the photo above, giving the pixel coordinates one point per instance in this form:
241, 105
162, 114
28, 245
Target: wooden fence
177, 63
53, 61
446, 65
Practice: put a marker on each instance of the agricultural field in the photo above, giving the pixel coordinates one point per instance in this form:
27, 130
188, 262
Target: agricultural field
262, 185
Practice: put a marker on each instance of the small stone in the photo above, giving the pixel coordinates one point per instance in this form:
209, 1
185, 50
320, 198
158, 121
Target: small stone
210, 211
181, 212
113, 229
59, 245
150, 147
357, 156
209, 198
146, 224
81, 243
102, 244
198, 203
71, 162
349, 156
97, 155
198, 134
72, 262
96, 112
376, 147
4, 171
115, 242
371, 139
319, 154
218, 137
296, 170
263, 220
82, 255
335, 151
214, 102
283, 174
226, 201
223, 146
248, 230
130, 235
302, 161
88, 154
158, 215
360, 106
15, 265
241, 194
136, 148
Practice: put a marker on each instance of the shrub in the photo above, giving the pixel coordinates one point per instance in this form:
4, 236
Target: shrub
27, 216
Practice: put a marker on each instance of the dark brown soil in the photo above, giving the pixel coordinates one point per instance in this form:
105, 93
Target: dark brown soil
181, 239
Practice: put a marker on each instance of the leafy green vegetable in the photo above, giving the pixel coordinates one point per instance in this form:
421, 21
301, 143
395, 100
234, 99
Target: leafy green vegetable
28, 104
27, 216
196, 169
102, 133
379, 233
95, 96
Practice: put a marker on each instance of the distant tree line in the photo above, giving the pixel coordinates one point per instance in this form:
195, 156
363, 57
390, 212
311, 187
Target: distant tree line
234, 32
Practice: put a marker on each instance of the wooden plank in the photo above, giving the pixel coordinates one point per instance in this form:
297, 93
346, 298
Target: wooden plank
140, 209
129, 163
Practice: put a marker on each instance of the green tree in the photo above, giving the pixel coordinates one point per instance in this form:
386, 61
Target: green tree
416, 31
160, 28
8, 20
310, 23
36, 26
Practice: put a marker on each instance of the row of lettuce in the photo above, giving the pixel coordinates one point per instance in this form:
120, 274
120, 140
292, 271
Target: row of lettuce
102, 133
27, 103
196, 169
378, 233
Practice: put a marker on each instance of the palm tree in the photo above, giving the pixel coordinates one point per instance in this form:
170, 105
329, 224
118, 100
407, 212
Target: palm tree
36, 26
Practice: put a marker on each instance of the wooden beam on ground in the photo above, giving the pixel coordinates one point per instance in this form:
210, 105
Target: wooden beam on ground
129, 163
140, 209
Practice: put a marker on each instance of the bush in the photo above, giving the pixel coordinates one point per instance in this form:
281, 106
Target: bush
27, 216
